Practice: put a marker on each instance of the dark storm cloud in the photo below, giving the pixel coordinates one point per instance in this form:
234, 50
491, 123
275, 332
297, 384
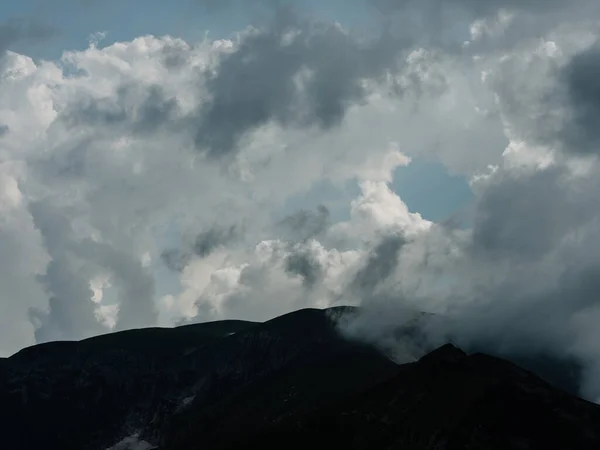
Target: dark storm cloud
580, 132
526, 216
142, 109
380, 265
154, 111
96, 112
259, 82
4, 129
523, 220
304, 264
207, 241
305, 224
203, 245
175, 55
175, 259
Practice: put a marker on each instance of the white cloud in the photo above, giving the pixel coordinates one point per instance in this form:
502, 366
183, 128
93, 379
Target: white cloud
379, 211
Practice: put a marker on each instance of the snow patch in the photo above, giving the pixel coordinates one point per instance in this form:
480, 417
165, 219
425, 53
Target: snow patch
132, 442
186, 401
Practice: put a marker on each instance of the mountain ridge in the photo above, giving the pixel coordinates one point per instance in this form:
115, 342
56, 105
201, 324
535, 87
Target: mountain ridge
210, 385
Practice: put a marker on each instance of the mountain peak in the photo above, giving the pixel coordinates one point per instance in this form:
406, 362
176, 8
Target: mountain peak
447, 353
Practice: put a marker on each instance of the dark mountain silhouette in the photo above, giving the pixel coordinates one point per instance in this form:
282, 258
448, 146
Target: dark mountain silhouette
291, 382
447, 400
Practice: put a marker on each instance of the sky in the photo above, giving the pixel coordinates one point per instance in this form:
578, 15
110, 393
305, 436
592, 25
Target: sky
242, 159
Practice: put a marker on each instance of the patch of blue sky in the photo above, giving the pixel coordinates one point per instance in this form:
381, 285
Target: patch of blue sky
75, 21
426, 187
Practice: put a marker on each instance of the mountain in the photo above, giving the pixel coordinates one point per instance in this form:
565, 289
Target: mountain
290, 382
94, 393
80, 395
447, 400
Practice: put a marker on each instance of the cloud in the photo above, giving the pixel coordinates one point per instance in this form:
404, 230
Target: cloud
296, 73
547, 198
71, 313
380, 264
143, 109
22, 261
305, 224
202, 246
207, 241
378, 211
476, 8
175, 259
67, 315
579, 132
305, 265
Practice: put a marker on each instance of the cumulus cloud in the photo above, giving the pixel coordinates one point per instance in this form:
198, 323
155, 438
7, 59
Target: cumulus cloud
305, 224
97, 161
205, 243
305, 265
296, 73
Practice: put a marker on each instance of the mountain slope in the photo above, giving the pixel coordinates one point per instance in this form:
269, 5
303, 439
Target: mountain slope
316, 366
77, 395
91, 394
290, 382
447, 400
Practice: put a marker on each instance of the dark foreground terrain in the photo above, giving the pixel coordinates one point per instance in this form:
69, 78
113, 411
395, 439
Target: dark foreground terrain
289, 383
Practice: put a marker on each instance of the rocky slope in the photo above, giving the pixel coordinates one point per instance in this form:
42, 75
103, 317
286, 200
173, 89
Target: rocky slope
449, 401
